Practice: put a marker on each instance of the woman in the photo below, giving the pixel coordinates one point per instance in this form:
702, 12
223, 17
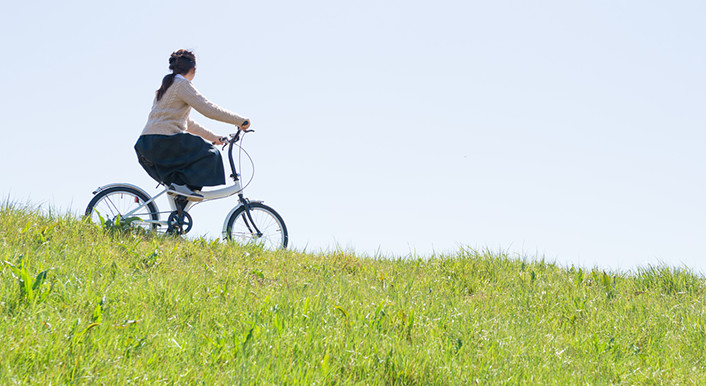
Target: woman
173, 148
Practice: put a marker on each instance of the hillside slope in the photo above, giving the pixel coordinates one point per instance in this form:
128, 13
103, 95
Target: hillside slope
80, 304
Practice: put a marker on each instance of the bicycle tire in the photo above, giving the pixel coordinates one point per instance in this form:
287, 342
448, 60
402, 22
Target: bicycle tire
116, 201
267, 220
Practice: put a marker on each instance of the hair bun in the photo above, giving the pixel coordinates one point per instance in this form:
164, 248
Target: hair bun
188, 60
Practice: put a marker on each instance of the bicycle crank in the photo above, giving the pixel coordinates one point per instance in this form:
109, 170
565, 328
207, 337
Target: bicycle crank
179, 223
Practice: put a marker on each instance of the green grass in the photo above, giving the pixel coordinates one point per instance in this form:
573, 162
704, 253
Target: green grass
82, 305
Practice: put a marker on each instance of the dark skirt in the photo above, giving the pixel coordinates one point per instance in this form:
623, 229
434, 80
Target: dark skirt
183, 159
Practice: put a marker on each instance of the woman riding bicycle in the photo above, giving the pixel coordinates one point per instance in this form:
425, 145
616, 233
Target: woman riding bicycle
172, 148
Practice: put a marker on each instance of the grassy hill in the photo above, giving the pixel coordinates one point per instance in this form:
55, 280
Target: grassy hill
84, 305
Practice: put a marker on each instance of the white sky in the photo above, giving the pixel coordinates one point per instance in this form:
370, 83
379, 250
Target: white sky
566, 130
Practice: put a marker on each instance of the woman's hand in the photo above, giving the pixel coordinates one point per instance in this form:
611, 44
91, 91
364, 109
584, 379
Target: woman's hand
245, 125
220, 141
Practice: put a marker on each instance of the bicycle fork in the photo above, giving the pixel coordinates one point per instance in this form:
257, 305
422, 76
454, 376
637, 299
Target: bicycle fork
247, 217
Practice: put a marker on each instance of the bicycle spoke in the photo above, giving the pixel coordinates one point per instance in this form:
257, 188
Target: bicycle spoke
108, 203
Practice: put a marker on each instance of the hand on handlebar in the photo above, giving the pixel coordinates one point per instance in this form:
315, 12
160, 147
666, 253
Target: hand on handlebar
224, 140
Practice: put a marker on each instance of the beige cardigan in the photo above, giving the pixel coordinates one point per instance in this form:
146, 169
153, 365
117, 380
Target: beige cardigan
170, 115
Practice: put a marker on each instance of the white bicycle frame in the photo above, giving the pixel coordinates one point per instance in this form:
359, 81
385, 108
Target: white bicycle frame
207, 196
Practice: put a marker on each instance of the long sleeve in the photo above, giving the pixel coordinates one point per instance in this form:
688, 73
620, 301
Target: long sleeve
188, 93
194, 128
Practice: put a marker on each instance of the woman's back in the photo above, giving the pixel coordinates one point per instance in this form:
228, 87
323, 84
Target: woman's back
169, 114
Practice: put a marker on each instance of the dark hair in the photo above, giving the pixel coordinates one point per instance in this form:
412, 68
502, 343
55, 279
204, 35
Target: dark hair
180, 62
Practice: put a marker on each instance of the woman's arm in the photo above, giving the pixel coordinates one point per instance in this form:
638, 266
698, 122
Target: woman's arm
188, 93
194, 128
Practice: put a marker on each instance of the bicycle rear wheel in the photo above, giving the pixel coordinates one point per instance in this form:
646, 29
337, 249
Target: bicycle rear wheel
243, 228
118, 202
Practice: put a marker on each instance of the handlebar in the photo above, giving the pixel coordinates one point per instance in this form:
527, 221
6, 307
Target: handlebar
233, 138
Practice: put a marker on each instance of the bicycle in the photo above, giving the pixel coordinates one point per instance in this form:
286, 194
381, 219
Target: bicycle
249, 221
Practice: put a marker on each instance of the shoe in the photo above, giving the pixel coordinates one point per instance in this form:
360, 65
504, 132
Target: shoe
183, 190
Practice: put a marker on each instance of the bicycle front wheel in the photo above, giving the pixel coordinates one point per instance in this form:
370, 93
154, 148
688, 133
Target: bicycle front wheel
123, 205
261, 225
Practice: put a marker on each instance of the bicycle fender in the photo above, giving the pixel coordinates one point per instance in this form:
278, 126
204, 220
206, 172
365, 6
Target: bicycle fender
225, 222
124, 185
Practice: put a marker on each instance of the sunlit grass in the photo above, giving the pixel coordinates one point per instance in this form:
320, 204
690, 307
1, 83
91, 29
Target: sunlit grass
79, 304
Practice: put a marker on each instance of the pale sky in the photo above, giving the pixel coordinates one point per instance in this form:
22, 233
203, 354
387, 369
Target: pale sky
571, 131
